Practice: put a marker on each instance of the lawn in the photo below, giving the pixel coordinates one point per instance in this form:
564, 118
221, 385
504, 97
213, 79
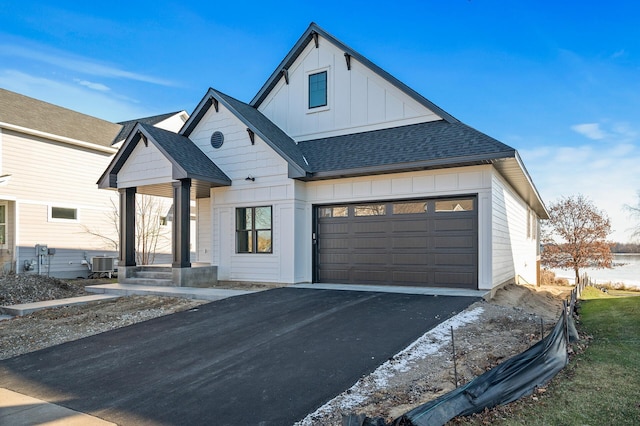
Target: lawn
600, 386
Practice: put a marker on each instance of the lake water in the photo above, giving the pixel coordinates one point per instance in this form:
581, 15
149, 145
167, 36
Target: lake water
627, 271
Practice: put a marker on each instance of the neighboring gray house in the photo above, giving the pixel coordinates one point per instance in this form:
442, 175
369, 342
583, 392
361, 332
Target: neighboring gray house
50, 158
335, 172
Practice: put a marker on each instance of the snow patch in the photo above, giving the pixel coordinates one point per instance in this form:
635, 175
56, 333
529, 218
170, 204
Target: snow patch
428, 344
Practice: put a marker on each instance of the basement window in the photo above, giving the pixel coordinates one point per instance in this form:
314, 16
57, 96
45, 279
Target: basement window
63, 214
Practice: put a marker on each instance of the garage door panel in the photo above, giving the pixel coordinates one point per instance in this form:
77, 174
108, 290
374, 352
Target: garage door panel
419, 259
369, 242
369, 276
455, 242
450, 224
455, 279
412, 245
418, 224
333, 228
333, 259
370, 226
334, 275
369, 259
456, 259
408, 242
412, 277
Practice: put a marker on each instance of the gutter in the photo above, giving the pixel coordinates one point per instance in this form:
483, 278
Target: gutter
57, 138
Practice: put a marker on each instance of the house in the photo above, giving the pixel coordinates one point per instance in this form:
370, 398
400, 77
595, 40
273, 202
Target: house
50, 208
335, 172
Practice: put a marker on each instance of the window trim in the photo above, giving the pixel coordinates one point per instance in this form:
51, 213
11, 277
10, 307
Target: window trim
253, 230
50, 217
308, 74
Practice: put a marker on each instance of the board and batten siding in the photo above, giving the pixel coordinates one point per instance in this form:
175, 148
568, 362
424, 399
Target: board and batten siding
358, 99
146, 166
203, 231
46, 174
239, 159
514, 249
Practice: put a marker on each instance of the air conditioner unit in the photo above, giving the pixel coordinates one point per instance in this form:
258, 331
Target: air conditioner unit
101, 264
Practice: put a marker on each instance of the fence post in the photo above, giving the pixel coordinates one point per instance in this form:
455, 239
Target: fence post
455, 369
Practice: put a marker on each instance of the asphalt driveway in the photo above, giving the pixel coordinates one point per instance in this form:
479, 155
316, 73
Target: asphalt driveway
266, 358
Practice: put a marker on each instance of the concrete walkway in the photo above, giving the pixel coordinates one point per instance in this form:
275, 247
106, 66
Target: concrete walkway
113, 291
17, 409
184, 292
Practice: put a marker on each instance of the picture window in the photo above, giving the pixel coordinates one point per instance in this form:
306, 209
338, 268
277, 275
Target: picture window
254, 230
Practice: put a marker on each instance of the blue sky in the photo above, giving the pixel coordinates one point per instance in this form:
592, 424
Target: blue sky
559, 81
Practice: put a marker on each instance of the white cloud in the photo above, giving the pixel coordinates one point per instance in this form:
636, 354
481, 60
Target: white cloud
590, 130
95, 86
608, 174
78, 64
105, 105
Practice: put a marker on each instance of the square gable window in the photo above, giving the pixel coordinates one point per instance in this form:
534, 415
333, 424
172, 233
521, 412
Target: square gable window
318, 90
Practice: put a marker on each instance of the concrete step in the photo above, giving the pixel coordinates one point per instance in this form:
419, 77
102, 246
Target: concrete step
146, 281
27, 308
153, 268
153, 275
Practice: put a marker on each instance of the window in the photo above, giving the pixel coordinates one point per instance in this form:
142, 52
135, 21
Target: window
3, 224
253, 230
63, 213
370, 210
342, 211
410, 208
318, 90
454, 206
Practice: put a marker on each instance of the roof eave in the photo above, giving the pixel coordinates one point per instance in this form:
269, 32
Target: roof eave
411, 166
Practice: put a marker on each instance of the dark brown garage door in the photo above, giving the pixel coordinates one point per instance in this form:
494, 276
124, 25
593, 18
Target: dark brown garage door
430, 242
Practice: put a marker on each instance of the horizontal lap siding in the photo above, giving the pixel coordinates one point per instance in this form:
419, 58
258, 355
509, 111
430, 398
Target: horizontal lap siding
45, 174
514, 253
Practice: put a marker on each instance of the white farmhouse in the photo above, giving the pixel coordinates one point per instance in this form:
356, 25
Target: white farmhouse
335, 172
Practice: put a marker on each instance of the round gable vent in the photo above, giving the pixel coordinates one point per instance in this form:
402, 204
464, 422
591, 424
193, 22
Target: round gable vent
217, 138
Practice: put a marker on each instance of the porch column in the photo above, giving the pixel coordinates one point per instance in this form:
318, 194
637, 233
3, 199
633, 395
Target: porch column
181, 223
127, 227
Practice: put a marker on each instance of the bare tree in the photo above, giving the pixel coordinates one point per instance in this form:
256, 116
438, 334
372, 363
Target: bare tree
150, 234
575, 236
634, 212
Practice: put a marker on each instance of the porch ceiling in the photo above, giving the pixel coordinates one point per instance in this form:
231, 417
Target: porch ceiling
199, 189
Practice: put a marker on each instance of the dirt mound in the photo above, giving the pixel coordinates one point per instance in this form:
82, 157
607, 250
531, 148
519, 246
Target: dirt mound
545, 301
28, 288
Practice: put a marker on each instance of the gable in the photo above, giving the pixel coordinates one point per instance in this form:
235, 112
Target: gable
238, 157
146, 165
360, 95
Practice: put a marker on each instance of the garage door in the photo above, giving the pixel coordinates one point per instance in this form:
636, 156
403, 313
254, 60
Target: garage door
430, 242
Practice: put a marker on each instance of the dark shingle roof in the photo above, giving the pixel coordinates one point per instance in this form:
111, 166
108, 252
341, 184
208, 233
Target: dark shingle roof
128, 125
433, 144
267, 130
275, 137
181, 151
30, 113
